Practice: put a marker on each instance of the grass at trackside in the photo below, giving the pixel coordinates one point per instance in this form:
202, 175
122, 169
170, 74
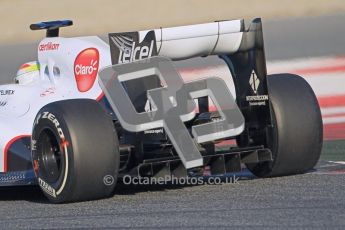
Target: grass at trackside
333, 150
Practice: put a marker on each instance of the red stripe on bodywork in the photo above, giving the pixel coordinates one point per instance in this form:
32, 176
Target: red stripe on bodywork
100, 97
8, 145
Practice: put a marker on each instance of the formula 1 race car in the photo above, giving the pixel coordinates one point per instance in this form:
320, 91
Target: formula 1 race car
86, 114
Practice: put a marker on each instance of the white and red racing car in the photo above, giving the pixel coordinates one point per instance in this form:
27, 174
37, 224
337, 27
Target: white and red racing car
88, 113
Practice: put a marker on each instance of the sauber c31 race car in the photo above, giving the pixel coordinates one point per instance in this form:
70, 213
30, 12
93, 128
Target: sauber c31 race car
67, 125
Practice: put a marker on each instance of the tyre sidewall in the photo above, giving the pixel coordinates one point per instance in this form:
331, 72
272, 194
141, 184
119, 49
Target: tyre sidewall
49, 118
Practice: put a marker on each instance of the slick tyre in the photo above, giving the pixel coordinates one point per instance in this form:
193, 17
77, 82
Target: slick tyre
296, 138
75, 151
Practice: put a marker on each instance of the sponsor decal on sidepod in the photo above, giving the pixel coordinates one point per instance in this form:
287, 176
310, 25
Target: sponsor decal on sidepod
86, 68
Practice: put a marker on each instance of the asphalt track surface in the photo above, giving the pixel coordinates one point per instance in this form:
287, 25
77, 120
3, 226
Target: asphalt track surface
311, 201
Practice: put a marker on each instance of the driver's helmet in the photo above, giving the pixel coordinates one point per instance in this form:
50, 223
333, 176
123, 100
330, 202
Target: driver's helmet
27, 73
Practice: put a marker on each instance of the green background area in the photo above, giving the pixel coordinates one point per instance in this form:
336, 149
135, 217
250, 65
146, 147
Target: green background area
333, 150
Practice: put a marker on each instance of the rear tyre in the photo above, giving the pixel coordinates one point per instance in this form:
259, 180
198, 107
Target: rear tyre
75, 151
296, 138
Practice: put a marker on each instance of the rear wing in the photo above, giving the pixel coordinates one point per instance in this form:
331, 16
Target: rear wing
241, 48
178, 42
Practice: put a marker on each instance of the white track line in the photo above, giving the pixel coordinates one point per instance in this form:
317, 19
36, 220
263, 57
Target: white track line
338, 162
